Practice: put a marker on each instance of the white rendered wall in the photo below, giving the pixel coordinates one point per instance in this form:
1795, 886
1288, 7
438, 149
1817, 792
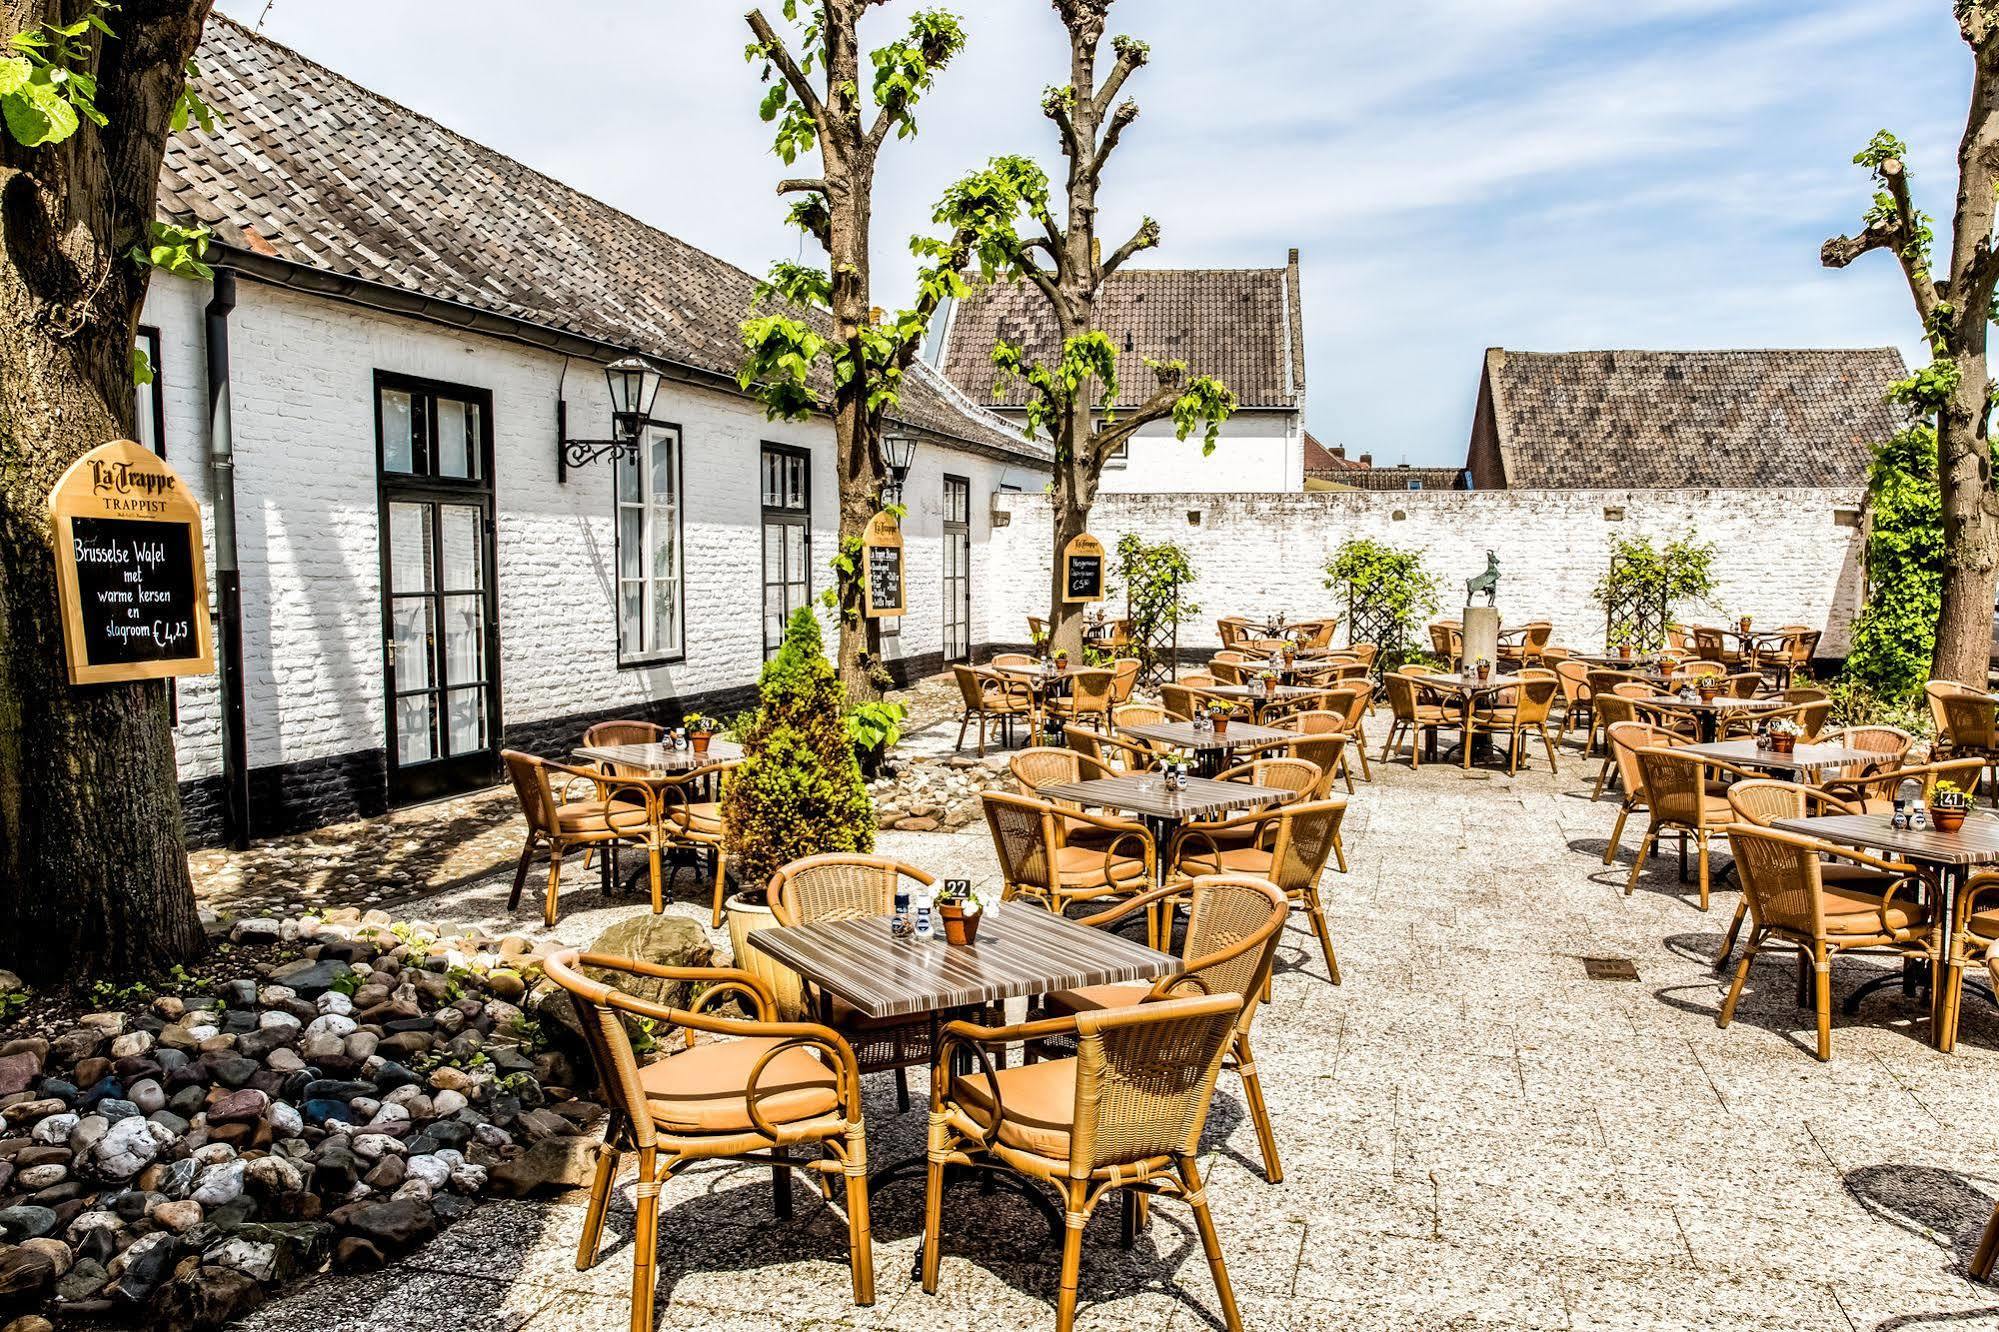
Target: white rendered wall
1784, 556
309, 528
1258, 452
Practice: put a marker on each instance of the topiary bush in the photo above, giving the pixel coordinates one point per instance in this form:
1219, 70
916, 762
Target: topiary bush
798, 790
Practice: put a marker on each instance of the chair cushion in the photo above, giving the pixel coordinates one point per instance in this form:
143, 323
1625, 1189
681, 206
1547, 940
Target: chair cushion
1984, 924
1234, 860
586, 816
1853, 911
1039, 1101
702, 1090
702, 817
1096, 997
1084, 867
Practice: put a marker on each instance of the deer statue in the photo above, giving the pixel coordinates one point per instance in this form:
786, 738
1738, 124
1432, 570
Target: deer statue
1487, 582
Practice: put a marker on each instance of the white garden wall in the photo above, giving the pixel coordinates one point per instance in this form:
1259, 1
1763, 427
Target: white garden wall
1784, 556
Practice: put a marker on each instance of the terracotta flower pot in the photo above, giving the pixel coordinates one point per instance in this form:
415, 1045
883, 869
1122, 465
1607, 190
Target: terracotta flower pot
1948, 818
1221, 725
961, 927
1783, 744
700, 740
745, 918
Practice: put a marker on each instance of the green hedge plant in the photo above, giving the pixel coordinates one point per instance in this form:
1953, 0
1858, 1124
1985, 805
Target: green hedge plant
1895, 633
1390, 595
798, 791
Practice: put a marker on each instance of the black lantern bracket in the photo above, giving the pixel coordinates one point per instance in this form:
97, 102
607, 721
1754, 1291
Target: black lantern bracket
634, 383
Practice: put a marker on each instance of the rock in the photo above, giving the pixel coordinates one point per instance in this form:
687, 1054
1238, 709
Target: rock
19, 1071
447, 1103
75, 1045
333, 1024
82, 1281
505, 984
284, 1060
284, 1121
333, 1001
257, 1261
209, 1297
24, 1273
55, 1129
357, 1254
27, 1222
255, 930
147, 1095
27, 1112
561, 1162
178, 1217
239, 1107
126, 1149
673, 941
115, 1108
233, 1072
131, 1043
387, 1176
392, 1227
29, 1323
145, 1265
41, 1176
219, 1184
273, 1175
428, 1170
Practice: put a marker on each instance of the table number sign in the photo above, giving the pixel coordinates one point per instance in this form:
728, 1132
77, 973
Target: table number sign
1083, 569
881, 549
130, 576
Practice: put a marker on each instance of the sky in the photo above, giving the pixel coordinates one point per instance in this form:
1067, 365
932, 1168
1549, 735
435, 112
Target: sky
1542, 175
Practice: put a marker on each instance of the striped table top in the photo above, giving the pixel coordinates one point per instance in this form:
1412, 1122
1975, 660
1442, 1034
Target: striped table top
1184, 735
1976, 843
1023, 949
1719, 703
1802, 758
1470, 684
1146, 793
1257, 693
658, 758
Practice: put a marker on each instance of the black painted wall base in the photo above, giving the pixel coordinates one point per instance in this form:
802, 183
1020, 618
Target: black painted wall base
298, 797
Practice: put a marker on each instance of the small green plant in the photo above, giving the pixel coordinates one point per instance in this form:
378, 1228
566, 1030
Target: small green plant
1855, 704
1390, 593
643, 1033
1645, 582
347, 984
1894, 636
1785, 726
11, 1004
700, 723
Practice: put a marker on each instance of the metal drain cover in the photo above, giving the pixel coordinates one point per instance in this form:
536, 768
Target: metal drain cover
1610, 968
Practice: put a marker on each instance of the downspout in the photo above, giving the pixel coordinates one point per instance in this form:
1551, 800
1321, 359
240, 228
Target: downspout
228, 578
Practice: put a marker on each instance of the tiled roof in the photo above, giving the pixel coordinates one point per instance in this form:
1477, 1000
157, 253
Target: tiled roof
1690, 418
1322, 461
1242, 325
311, 168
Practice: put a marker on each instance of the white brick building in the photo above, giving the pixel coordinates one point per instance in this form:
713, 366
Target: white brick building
419, 585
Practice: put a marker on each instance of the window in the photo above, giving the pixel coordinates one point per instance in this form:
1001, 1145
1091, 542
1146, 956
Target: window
1118, 458
427, 433
649, 539
150, 404
1415, 485
787, 537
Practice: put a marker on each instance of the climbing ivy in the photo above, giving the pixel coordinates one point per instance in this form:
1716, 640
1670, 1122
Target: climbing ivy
1895, 632
1156, 576
1644, 582
1390, 594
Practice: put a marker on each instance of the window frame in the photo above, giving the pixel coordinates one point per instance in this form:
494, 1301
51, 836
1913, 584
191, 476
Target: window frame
783, 516
389, 381
149, 335
677, 653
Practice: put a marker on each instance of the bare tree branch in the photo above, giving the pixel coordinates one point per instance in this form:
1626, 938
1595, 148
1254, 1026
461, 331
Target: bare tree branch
802, 185
1126, 112
1896, 235
1129, 59
1105, 439
1144, 238
884, 119
1057, 110
774, 51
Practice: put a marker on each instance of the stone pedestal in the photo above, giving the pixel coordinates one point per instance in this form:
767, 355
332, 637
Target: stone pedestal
1481, 636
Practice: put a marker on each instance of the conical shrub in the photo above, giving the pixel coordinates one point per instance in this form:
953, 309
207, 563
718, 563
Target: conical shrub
798, 791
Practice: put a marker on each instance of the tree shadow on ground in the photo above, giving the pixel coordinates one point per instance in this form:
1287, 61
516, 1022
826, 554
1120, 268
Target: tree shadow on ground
1931, 1203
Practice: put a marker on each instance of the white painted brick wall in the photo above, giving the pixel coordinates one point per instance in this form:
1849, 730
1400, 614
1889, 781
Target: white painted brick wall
1782, 557
1258, 452
308, 521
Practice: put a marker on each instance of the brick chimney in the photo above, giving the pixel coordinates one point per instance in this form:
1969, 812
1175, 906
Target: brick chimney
1367, 460
1339, 450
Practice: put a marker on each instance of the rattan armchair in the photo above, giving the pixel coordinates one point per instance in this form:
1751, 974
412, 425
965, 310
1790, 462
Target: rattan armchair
1340, 721
1762, 801
1413, 717
685, 822
1290, 847
1624, 740
1875, 793
1182, 700
841, 886
770, 1090
1364, 651
1138, 714
1447, 639
1533, 640
1889, 743
1679, 798
1783, 880
1744, 684
1800, 645
1528, 712
622, 812
1234, 924
1573, 676
1970, 729
1042, 860
1229, 628
1115, 755
1712, 645
1125, 1113
1089, 697
993, 694
1599, 683
1124, 679
1230, 667
1975, 939
1316, 633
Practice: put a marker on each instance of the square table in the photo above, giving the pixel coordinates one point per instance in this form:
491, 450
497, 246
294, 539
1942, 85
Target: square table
1022, 949
1801, 759
1208, 746
1707, 712
1469, 687
1948, 855
1145, 795
658, 759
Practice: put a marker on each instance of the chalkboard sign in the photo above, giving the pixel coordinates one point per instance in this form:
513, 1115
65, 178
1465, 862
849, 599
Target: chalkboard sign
1083, 569
129, 570
883, 548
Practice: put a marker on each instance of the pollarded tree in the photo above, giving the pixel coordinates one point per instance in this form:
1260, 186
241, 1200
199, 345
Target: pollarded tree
93, 868
1075, 399
1955, 309
815, 101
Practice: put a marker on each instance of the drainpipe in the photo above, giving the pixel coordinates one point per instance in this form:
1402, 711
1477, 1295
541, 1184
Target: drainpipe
228, 578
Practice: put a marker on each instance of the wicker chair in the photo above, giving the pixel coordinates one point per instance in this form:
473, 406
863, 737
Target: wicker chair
1783, 879
1292, 844
1801, 644
1124, 678
1229, 667
687, 823
1317, 633
1354, 701
1324, 750
1296, 777
1229, 628
1976, 939
1199, 679
1180, 701
1116, 756
854, 887
1744, 684
1528, 712
1000, 659
1624, 741
622, 812
775, 1087
1037, 629
993, 694
1366, 652
1762, 801
1574, 678
1038, 860
1610, 710
1970, 729
1527, 652
1125, 1113
1335, 721
1598, 683
1891, 743
1712, 645
1234, 924
620, 733
1089, 696
1934, 693
1045, 765
1413, 717
1447, 639
1677, 796
1875, 793
1138, 714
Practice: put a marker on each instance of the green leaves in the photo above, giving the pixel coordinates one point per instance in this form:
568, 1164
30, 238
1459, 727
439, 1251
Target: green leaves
1644, 575
175, 249
189, 106
1204, 401
905, 70
1386, 587
778, 363
1894, 635
46, 89
1928, 391
1881, 148
142, 368
986, 204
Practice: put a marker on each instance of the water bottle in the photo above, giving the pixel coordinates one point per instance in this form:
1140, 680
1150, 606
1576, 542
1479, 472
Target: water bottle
926, 925
900, 925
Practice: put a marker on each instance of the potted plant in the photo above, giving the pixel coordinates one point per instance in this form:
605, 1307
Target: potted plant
1624, 649
1668, 662
1949, 803
1483, 669
1269, 679
1744, 624
961, 907
1219, 712
701, 729
1061, 659
1707, 686
1784, 735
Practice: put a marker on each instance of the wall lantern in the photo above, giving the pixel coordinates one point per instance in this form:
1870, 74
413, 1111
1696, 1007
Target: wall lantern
634, 384
899, 453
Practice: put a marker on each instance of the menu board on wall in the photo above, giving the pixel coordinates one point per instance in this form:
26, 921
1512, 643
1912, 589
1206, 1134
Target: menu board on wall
130, 576
1083, 569
882, 549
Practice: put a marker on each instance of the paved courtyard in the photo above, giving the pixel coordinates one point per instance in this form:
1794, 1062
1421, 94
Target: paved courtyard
1476, 1134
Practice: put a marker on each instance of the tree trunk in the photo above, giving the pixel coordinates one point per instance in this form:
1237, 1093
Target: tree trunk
1970, 528
93, 866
